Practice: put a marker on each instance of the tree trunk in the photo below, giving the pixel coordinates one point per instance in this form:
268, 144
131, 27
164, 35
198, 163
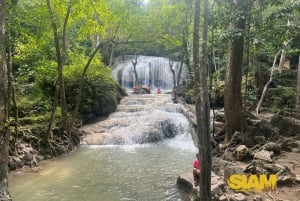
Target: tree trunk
232, 92
112, 53
60, 55
134, 63
298, 86
179, 72
16, 112
186, 54
11, 96
267, 84
282, 60
4, 134
49, 133
204, 114
78, 97
171, 63
202, 104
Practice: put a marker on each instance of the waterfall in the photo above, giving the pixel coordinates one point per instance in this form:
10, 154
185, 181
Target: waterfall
152, 71
139, 119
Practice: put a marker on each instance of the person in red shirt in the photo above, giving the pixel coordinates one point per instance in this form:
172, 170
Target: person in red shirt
135, 89
158, 91
196, 170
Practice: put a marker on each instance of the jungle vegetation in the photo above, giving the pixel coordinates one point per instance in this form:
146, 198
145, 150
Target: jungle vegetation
56, 58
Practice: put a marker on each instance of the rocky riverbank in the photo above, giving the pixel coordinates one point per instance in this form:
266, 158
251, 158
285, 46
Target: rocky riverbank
30, 150
269, 145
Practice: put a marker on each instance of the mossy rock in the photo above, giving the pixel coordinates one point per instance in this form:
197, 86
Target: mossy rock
288, 126
282, 97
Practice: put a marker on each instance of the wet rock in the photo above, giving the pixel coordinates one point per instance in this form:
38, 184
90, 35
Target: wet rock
96, 139
263, 155
15, 162
27, 157
40, 157
186, 183
169, 129
119, 129
238, 197
241, 152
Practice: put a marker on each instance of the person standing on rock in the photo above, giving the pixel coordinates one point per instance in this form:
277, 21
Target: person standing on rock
196, 170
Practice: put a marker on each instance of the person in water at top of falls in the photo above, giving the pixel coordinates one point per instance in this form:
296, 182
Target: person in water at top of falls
136, 89
196, 170
149, 88
158, 91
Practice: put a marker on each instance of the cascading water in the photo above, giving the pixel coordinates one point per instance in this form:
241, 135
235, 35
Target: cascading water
152, 71
139, 119
120, 164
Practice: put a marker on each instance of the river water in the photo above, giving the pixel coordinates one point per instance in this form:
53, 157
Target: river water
114, 172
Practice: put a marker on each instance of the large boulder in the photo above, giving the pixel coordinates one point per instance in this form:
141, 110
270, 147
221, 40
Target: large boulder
241, 152
272, 146
188, 190
288, 126
185, 182
263, 155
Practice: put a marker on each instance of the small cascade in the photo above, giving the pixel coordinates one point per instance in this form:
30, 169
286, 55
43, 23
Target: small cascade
139, 119
152, 71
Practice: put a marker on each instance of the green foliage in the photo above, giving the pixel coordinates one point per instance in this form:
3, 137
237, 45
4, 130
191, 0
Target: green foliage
282, 97
120, 72
100, 92
287, 78
159, 28
189, 96
31, 101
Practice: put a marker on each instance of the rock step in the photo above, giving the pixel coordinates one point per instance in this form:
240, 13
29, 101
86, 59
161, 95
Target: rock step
185, 182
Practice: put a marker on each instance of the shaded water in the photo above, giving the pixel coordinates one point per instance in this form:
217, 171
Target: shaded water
111, 173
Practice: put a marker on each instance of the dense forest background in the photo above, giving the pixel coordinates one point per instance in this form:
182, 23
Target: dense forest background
58, 57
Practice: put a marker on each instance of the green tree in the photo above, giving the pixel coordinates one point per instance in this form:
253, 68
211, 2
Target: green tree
232, 93
61, 51
203, 113
4, 123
